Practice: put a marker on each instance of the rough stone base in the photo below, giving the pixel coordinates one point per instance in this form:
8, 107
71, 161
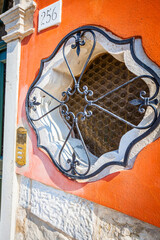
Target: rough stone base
46, 213
30, 227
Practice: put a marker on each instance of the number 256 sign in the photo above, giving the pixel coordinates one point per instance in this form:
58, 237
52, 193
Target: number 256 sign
50, 16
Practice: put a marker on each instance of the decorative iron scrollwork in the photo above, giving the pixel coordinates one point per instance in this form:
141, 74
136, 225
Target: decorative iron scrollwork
74, 162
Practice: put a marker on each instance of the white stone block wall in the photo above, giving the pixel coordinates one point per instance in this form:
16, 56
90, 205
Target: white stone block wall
45, 213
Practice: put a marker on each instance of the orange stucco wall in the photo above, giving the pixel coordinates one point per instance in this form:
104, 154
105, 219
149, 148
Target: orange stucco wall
135, 192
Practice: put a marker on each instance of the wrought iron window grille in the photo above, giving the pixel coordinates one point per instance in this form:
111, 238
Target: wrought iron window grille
67, 160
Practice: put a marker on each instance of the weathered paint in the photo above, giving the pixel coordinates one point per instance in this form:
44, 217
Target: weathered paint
134, 192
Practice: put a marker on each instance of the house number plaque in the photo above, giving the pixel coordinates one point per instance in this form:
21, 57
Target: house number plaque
50, 16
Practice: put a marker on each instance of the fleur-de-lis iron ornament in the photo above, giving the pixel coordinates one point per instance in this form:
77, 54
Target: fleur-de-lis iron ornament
78, 42
33, 103
78, 35
144, 101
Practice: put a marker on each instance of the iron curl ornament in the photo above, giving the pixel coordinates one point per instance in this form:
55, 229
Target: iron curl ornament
70, 163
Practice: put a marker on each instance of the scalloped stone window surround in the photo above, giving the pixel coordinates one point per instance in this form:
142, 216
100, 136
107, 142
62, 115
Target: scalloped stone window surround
54, 127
